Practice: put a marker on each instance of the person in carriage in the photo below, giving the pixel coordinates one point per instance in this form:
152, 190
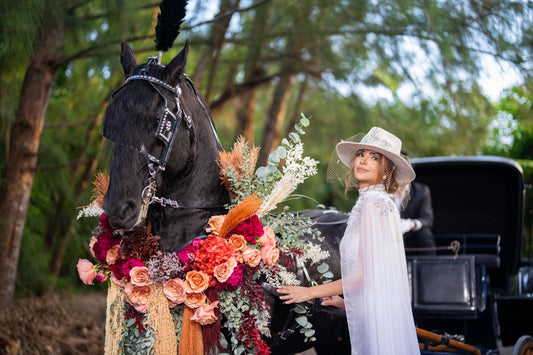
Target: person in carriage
374, 280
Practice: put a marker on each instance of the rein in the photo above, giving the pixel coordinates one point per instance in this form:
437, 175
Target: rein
166, 131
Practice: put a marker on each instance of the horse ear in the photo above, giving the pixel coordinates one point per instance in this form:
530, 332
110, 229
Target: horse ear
127, 59
176, 66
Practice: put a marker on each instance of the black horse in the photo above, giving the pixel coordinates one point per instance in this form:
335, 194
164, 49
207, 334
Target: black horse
165, 153
164, 174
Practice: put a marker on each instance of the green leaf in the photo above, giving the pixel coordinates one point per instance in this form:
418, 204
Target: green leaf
309, 332
294, 137
301, 320
322, 268
304, 121
328, 275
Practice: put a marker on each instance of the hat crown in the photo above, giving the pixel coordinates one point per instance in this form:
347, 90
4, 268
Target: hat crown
380, 138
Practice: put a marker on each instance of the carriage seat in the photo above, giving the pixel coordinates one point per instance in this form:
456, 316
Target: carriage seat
444, 286
485, 247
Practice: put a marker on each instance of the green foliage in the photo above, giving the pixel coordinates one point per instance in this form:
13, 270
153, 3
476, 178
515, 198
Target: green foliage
347, 53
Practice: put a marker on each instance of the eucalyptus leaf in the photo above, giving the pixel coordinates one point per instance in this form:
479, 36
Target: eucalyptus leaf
304, 121
328, 275
294, 137
301, 320
322, 268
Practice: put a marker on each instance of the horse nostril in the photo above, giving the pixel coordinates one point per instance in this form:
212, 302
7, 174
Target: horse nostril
128, 210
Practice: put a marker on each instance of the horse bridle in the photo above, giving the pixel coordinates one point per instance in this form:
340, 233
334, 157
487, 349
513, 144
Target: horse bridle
166, 132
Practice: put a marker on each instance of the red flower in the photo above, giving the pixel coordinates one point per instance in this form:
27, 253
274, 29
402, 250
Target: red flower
213, 252
186, 255
104, 242
250, 229
121, 269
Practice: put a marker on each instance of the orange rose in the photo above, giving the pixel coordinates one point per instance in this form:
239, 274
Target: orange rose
268, 237
251, 257
269, 255
195, 300
196, 281
139, 276
86, 271
215, 222
112, 254
223, 271
205, 314
238, 242
174, 291
137, 296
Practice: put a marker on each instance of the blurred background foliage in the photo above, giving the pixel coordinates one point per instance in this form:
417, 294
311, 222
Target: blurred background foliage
416, 68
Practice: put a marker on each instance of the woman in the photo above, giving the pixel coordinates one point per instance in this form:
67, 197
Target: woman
374, 274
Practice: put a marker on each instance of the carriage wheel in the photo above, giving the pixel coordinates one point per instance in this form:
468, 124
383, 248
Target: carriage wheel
523, 346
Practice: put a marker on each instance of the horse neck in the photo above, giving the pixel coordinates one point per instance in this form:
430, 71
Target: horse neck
198, 187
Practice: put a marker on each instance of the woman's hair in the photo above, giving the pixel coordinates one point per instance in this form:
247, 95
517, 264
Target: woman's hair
388, 169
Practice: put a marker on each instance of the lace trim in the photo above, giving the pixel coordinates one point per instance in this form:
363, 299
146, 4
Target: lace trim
375, 194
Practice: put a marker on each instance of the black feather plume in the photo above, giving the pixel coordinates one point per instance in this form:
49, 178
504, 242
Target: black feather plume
169, 21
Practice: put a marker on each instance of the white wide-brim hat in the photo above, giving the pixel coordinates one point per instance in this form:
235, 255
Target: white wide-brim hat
380, 141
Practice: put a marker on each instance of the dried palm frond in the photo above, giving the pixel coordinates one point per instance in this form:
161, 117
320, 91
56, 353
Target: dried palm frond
244, 210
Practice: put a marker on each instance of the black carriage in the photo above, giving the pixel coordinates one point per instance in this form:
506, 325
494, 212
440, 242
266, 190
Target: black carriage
468, 293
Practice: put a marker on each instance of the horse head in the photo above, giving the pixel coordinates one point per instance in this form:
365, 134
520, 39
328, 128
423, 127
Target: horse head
164, 167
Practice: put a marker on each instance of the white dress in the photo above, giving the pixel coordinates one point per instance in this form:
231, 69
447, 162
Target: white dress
374, 278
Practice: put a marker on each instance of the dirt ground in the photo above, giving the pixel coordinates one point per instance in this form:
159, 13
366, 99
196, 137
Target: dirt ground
57, 325
54, 325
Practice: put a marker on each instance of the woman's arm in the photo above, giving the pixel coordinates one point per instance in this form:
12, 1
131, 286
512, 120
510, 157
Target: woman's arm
299, 294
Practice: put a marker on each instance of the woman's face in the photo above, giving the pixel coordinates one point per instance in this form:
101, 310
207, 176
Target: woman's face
368, 168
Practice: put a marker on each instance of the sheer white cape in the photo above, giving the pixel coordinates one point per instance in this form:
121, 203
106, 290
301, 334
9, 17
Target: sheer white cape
374, 278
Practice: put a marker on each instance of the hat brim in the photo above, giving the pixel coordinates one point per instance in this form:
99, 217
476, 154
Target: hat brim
404, 171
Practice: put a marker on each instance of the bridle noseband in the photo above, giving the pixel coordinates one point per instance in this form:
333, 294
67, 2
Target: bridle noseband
166, 132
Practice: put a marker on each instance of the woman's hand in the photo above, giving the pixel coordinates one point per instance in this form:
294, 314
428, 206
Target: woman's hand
335, 301
294, 294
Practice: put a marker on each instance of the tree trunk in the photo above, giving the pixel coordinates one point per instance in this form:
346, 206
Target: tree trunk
275, 118
216, 41
245, 116
22, 159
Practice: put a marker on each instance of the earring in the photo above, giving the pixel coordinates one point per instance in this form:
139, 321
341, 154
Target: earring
384, 177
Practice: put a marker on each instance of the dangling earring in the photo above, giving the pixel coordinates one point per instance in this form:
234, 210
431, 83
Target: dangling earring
384, 177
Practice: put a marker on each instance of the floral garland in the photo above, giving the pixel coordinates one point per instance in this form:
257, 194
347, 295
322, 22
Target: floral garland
217, 275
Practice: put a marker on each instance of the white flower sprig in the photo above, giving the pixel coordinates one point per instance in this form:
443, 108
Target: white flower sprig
296, 169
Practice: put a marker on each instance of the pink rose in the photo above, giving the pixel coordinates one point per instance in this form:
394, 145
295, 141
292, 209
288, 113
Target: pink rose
251, 257
174, 291
268, 237
112, 254
205, 314
234, 280
195, 300
118, 282
137, 296
91, 245
223, 271
86, 271
215, 222
269, 255
139, 276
